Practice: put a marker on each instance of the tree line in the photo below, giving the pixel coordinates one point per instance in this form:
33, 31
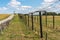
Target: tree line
51, 13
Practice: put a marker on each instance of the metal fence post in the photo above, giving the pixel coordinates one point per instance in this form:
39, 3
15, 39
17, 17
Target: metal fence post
32, 20
46, 36
41, 24
46, 24
28, 20
37, 18
53, 21
46, 19
25, 19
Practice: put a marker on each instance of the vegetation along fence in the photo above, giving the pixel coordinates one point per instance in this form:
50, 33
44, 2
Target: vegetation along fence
4, 23
46, 27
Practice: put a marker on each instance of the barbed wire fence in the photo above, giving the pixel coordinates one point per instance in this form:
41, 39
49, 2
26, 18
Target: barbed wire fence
38, 23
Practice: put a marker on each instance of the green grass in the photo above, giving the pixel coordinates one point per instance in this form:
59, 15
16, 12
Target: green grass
53, 34
18, 30
12, 32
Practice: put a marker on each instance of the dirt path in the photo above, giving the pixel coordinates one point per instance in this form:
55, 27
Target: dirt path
14, 31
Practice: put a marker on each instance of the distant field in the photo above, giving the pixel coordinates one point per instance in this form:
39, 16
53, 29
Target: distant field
3, 16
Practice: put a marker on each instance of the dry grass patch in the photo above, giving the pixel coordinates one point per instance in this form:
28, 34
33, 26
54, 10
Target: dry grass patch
3, 16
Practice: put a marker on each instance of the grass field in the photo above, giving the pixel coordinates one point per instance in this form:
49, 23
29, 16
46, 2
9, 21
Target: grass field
53, 34
18, 30
3, 16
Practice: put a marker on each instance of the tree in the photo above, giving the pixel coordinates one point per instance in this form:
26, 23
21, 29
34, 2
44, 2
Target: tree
50, 13
58, 13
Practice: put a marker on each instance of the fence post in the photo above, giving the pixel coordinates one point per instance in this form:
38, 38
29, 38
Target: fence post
46, 24
32, 20
28, 20
40, 24
37, 18
53, 21
25, 19
46, 36
46, 19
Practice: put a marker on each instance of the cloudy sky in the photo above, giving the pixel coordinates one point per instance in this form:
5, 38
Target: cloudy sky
25, 6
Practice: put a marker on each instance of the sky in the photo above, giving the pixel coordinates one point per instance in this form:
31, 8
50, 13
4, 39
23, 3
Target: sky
25, 6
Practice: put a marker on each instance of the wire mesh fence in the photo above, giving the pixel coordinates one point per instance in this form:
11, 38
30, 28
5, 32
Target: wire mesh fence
44, 27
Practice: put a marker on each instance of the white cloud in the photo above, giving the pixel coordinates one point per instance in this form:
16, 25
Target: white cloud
47, 4
26, 6
3, 8
17, 5
58, 6
14, 3
49, 7
49, 1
